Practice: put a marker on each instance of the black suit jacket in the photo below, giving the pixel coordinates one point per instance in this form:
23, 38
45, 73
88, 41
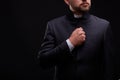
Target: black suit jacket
90, 61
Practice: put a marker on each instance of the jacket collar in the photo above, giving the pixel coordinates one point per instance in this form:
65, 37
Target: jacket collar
75, 21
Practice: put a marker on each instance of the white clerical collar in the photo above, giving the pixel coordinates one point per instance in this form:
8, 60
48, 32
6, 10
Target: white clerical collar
77, 16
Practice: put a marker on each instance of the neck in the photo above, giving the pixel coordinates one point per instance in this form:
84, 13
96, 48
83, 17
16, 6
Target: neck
74, 12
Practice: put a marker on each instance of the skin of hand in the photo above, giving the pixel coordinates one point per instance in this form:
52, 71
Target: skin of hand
77, 37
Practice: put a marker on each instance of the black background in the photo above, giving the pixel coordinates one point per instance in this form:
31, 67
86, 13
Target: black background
23, 23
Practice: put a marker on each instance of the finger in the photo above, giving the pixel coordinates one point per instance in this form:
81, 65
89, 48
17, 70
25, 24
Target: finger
81, 28
81, 32
83, 37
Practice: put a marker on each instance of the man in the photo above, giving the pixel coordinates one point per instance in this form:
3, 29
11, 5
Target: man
75, 44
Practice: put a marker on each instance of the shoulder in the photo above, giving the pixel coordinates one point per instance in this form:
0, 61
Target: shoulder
101, 23
56, 23
57, 20
99, 20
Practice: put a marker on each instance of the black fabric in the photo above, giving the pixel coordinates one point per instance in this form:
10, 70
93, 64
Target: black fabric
76, 21
85, 62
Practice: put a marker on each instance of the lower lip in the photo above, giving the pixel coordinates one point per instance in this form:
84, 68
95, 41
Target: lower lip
85, 4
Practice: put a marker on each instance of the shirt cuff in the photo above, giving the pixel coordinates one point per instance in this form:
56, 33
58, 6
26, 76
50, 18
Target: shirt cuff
70, 45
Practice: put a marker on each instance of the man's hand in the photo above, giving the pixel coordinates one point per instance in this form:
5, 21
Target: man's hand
77, 37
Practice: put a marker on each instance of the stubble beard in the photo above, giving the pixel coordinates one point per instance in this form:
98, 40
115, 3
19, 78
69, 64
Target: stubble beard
82, 9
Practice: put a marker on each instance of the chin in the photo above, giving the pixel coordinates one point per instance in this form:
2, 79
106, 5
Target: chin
85, 9
82, 9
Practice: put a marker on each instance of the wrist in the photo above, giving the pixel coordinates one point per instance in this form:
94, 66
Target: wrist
72, 42
70, 45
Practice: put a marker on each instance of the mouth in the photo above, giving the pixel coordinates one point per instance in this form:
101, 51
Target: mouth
85, 4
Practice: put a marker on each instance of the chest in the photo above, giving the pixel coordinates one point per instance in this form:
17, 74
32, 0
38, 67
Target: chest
94, 33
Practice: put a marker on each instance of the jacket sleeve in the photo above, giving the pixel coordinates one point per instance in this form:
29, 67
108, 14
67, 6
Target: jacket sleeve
109, 54
51, 54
